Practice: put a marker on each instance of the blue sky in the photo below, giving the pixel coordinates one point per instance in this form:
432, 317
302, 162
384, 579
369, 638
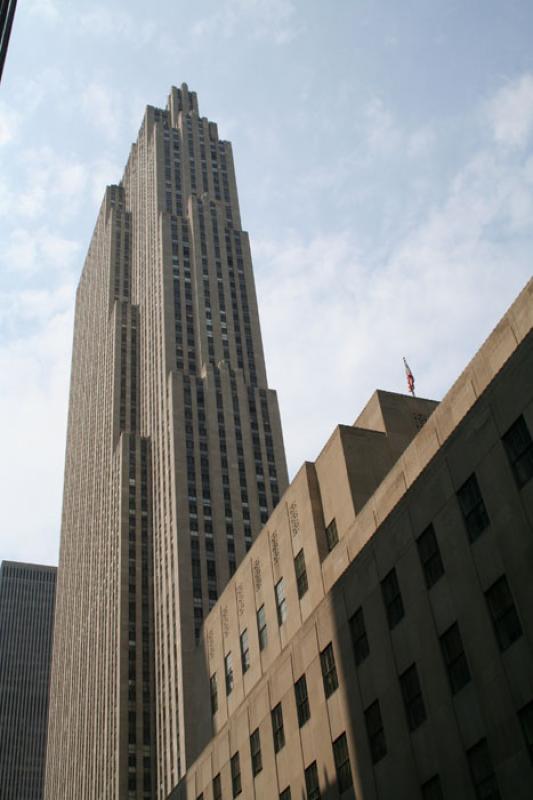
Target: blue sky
385, 169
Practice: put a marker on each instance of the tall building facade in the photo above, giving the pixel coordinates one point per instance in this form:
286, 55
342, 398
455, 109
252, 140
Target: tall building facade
7, 14
174, 460
377, 640
27, 595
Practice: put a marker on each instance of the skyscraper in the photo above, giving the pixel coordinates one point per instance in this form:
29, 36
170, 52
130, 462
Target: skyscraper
27, 594
174, 459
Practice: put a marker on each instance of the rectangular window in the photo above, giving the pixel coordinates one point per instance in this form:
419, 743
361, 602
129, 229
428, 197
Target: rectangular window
255, 752
245, 651
525, 715
277, 728
329, 670
412, 697
375, 732
214, 693
281, 602
430, 558
285, 794
236, 785
302, 700
482, 772
503, 613
332, 535
454, 658
473, 508
519, 448
262, 628
342, 763
392, 599
432, 789
359, 637
301, 574
311, 782
217, 787
228, 670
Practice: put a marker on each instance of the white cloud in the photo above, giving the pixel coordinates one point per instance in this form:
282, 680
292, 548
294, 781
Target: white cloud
103, 108
9, 123
510, 112
261, 19
46, 9
102, 21
29, 251
336, 329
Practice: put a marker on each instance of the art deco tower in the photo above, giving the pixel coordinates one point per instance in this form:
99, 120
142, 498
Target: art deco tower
174, 459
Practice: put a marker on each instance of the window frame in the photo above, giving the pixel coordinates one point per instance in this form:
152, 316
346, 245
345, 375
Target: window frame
454, 657
505, 620
525, 454
332, 535
343, 767
302, 701
430, 556
281, 602
413, 699
392, 598
245, 651
330, 678
302, 583
312, 784
473, 508
375, 731
262, 630
228, 673
278, 729
255, 752
359, 637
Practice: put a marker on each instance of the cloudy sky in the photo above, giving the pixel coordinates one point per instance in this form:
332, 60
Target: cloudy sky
385, 168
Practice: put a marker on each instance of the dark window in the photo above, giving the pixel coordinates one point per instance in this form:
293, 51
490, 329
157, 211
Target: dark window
228, 669
329, 670
482, 772
217, 787
525, 715
375, 732
519, 448
301, 573
277, 728
200, 796
236, 785
255, 752
302, 701
473, 508
285, 794
503, 613
214, 693
392, 598
428, 550
262, 628
332, 535
454, 658
245, 651
281, 602
359, 637
432, 789
311, 782
342, 763
412, 698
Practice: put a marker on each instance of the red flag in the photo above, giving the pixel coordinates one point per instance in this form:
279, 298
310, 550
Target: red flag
410, 377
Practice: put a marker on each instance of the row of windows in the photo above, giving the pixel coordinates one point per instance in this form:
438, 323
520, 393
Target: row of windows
340, 755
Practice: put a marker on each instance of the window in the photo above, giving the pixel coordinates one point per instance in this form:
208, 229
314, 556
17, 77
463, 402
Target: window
412, 698
285, 794
245, 651
525, 715
281, 602
430, 558
262, 628
236, 784
301, 574
392, 599
432, 789
329, 670
217, 787
277, 728
454, 658
214, 693
228, 669
255, 752
302, 701
375, 732
359, 637
332, 535
342, 763
311, 782
519, 448
473, 508
482, 772
200, 796
503, 613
